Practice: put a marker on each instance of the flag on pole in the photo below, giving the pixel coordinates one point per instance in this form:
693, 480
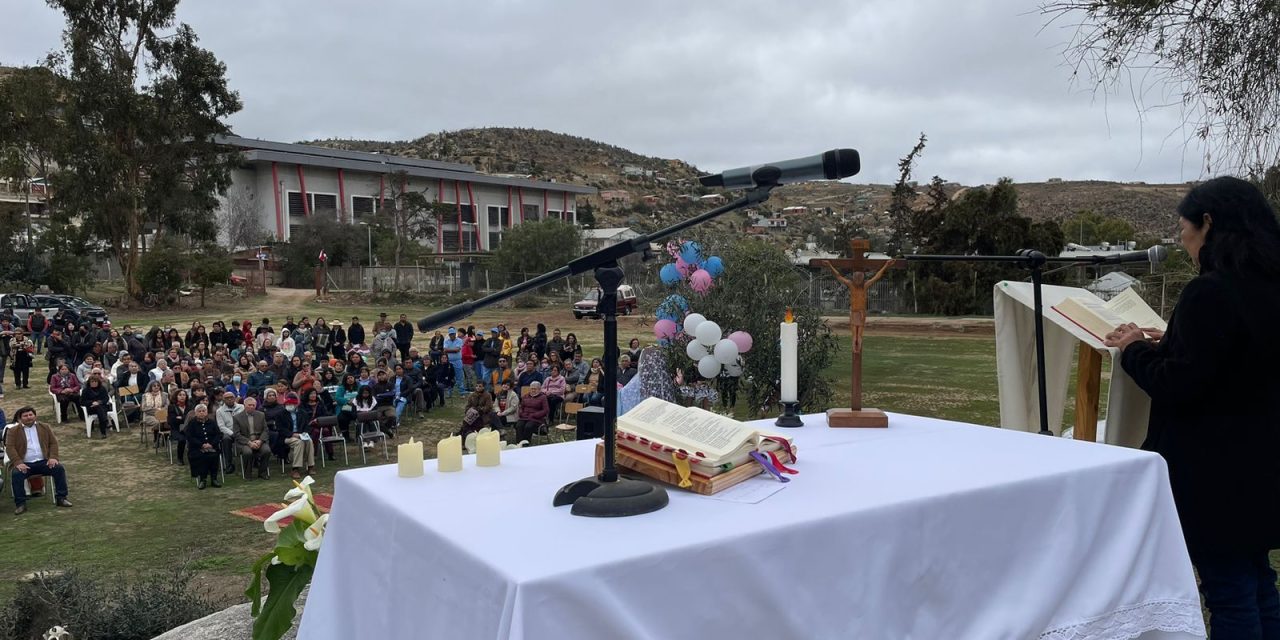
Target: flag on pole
323, 256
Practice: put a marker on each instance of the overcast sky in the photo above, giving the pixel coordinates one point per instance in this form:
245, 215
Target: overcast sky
719, 84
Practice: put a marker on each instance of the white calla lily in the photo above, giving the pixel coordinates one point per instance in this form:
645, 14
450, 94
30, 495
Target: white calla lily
300, 509
301, 489
314, 535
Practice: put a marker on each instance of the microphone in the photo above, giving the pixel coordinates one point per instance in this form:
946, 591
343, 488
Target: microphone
1154, 255
832, 165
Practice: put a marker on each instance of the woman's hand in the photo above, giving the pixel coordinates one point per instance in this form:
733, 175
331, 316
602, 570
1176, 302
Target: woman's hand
1153, 333
1123, 336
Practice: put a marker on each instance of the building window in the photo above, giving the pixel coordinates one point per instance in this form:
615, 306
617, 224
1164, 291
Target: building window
468, 213
553, 214
296, 207
324, 202
362, 206
315, 202
469, 238
530, 212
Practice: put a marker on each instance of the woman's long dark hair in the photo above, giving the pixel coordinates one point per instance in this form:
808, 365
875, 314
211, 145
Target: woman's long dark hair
1244, 237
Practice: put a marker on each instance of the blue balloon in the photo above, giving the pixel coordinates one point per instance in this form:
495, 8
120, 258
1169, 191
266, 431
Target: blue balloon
714, 266
673, 307
691, 252
670, 274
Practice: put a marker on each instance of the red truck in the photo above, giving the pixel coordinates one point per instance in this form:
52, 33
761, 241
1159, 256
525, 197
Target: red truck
627, 303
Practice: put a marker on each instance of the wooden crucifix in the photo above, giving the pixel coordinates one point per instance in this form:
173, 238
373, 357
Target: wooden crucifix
857, 283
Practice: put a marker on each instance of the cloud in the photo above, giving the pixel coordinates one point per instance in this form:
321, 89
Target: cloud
719, 84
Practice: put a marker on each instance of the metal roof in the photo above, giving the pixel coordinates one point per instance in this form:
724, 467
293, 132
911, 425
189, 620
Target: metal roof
307, 155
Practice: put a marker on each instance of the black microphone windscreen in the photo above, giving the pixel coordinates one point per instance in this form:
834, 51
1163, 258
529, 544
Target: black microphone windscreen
840, 163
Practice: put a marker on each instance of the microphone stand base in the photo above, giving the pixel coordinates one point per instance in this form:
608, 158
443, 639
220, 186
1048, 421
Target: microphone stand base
594, 498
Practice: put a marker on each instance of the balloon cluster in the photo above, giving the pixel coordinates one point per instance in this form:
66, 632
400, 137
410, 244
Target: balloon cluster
689, 263
712, 350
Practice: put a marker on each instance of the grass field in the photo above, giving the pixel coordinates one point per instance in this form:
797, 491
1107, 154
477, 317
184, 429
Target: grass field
136, 512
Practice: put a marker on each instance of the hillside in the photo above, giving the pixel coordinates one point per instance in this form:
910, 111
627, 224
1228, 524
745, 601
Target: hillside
659, 190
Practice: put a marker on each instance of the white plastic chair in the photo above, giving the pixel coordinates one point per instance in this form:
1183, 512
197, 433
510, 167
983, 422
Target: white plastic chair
90, 419
57, 408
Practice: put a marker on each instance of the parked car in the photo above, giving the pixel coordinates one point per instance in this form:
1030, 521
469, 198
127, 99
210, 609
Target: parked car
82, 308
627, 302
238, 281
23, 304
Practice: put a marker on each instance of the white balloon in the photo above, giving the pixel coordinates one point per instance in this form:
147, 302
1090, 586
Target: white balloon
708, 367
692, 321
726, 351
696, 350
708, 333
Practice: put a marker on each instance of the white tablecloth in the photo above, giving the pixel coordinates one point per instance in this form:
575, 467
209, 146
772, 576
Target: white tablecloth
927, 529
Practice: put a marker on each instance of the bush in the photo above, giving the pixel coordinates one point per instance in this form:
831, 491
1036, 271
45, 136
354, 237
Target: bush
100, 609
159, 270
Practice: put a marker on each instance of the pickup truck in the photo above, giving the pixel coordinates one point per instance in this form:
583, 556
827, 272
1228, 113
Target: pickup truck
587, 306
22, 305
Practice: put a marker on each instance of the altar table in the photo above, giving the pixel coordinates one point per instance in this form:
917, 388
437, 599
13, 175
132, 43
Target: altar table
927, 529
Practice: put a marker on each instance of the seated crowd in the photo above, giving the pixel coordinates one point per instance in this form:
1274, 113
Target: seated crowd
252, 390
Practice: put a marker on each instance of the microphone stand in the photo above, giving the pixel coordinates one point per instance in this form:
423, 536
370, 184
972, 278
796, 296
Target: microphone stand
1034, 261
607, 495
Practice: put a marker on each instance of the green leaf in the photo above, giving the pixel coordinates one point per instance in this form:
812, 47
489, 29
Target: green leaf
292, 556
254, 591
277, 612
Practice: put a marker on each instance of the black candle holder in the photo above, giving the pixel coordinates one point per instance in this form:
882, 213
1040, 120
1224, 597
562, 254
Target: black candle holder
790, 417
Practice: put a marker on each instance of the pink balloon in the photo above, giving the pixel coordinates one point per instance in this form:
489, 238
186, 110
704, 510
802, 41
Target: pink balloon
700, 281
684, 267
664, 329
742, 339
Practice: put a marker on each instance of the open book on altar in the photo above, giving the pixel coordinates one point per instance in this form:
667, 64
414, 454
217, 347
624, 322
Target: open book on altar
1101, 318
713, 443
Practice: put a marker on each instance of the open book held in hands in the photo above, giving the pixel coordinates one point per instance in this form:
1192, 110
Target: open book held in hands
1101, 318
713, 443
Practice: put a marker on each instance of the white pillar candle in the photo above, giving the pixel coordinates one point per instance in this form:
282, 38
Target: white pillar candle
487, 448
409, 459
790, 357
449, 454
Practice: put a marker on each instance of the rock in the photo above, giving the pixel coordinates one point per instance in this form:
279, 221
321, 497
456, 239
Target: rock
232, 623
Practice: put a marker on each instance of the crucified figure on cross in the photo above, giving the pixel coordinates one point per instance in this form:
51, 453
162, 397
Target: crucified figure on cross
857, 284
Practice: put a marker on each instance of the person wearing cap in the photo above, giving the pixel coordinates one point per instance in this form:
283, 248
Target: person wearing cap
297, 437
382, 324
453, 351
492, 353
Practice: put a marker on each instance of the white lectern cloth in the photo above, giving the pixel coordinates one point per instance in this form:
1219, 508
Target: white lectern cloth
1128, 406
927, 529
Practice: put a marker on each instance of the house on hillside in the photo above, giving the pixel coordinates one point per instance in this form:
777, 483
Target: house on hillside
770, 223
714, 198
650, 200
284, 184
792, 211
618, 197
596, 239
